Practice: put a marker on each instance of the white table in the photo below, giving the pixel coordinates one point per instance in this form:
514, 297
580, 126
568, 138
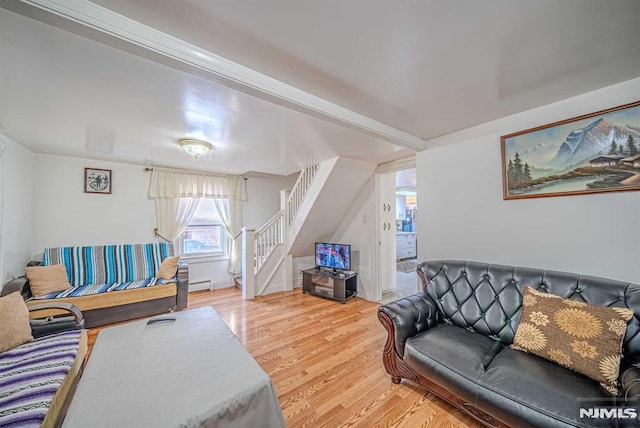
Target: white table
191, 372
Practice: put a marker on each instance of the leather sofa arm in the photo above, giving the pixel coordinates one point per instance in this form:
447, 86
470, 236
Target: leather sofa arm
20, 284
72, 309
630, 378
55, 323
183, 285
408, 316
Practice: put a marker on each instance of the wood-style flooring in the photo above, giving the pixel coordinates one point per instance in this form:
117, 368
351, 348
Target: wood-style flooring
325, 360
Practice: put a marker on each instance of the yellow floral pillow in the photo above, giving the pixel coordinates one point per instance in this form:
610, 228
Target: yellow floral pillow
579, 336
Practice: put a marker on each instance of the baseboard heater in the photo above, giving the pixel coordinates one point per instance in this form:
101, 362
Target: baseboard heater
201, 285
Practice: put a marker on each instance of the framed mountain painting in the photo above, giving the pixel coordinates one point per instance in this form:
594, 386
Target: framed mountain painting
593, 153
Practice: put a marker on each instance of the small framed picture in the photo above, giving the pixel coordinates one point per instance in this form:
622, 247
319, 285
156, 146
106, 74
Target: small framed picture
97, 180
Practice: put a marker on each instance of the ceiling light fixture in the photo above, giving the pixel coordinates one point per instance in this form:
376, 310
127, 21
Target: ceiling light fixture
406, 192
195, 148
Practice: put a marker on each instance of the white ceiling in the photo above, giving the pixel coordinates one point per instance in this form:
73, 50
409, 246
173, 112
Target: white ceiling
68, 95
426, 67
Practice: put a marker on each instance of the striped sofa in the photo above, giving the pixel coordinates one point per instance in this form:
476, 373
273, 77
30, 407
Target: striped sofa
36, 379
111, 283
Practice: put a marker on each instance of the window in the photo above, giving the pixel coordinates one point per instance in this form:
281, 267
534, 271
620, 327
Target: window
205, 235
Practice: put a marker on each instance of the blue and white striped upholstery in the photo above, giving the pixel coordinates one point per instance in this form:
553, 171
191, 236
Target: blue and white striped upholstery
89, 289
109, 264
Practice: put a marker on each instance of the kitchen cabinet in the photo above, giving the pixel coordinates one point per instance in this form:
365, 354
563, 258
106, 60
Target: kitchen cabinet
406, 246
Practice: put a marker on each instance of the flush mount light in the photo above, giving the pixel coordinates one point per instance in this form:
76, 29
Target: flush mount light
405, 192
195, 148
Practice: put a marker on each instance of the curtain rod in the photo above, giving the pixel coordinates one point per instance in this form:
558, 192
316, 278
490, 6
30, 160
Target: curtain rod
148, 169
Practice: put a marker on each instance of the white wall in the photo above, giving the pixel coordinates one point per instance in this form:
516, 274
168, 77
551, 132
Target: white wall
463, 215
263, 199
66, 216
358, 230
298, 265
327, 203
16, 214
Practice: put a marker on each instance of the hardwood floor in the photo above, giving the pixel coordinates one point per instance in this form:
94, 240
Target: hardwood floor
325, 360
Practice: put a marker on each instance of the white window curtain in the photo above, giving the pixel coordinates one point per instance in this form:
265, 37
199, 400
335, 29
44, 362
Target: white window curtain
173, 215
230, 210
175, 183
176, 194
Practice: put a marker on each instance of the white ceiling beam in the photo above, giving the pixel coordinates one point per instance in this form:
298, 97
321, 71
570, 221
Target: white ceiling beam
207, 64
396, 165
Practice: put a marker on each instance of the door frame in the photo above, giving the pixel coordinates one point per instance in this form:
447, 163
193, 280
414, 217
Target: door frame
385, 168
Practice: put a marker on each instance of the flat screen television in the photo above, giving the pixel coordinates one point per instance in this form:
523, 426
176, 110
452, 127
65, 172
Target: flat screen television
333, 256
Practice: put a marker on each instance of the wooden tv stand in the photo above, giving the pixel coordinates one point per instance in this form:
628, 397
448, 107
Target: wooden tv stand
339, 286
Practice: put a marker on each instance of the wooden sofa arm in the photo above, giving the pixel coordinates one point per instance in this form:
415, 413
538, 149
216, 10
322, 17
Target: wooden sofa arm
402, 319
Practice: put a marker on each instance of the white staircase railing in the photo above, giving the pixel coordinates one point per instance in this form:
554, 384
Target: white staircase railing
258, 245
268, 237
299, 191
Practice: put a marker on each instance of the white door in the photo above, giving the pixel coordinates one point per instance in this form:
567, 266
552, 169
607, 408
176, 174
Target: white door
386, 223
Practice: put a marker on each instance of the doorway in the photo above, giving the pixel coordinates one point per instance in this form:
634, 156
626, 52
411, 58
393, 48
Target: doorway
404, 259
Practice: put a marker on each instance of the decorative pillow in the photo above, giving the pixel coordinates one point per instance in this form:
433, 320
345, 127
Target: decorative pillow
47, 279
168, 268
581, 337
14, 319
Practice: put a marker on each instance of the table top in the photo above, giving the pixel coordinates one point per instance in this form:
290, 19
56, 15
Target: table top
339, 274
189, 372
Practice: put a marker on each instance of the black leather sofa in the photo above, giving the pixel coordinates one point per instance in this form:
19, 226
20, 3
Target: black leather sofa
454, 339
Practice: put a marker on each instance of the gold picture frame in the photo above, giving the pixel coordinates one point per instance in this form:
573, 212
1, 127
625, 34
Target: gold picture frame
593, 153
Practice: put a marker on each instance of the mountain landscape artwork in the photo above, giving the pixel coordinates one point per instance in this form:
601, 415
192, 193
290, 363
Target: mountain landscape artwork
598, 152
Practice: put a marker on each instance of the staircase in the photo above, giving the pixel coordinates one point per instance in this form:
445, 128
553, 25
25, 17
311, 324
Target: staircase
300, 189
268, 238
310, 212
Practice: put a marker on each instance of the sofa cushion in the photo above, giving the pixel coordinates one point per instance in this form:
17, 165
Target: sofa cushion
108, 264
14, 319
533, 391
451, 356
47, 279
168, 268
581, 337
91, 289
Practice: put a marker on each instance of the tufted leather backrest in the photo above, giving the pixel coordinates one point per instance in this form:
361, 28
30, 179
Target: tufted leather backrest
487, 298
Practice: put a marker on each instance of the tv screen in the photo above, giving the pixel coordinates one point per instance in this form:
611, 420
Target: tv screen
333, 256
